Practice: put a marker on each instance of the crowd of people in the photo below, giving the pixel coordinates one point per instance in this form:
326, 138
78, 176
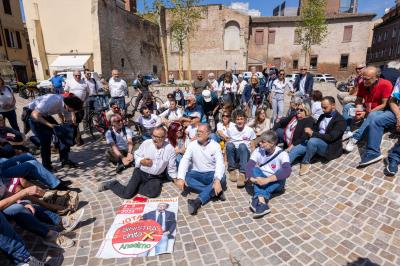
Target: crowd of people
201, 137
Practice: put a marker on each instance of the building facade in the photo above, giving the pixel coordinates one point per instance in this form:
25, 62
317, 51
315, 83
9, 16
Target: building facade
97, 34
13, 45
385, 45
273, 42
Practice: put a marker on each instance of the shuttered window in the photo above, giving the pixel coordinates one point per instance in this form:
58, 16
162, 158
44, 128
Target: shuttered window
271, 36
347, 34
259, 37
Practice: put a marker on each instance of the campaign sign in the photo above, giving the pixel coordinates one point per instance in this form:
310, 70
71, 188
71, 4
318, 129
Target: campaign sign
142, 227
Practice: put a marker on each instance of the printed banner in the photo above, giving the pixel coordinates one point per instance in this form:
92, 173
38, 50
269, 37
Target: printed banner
142, 227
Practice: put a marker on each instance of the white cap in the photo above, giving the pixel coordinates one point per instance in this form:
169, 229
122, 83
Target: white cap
195, 114
206, 95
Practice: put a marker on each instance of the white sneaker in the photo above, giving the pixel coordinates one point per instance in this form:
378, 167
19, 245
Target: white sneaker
350, 145
60, 241
72, 220
347, 134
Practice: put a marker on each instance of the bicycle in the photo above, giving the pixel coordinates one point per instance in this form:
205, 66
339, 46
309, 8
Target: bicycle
96, 122
131, 105
32, 92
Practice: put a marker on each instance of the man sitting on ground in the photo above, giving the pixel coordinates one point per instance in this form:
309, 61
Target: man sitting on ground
267, 169
238, 147
172, 114
325, 138
148, 121
372, 96
207, 176
191, 107
120, 139
153, 159
191, 130
114, 110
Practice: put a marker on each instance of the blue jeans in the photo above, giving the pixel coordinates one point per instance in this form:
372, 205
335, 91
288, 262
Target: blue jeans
26, 166
237, 156
202, 182
359, 133
349, 119
277, 106
12, 118
281, 135
37, 223
394, 154
378, 123
59, 90
308, 149
162, 246
266, 190
93, 103
11, 243
179, 157
120, 101
45, 135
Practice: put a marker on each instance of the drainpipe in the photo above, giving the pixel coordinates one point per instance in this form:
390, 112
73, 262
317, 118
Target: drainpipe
4, 39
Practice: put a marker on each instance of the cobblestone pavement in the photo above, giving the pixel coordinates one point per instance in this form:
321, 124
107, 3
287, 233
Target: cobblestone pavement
336, 215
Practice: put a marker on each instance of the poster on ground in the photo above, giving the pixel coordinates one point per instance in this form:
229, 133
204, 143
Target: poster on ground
142, 227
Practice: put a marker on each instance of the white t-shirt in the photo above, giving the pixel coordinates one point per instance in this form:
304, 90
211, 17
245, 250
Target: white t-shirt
316, 110
324, 123
117, 87
224, 129
280, 86
6, 99
191, 131
241, 86
172, 115
150, 122
214, 85
238, 137
80, 89
94, 86
121, 138
273, 166
49, 104
227, 87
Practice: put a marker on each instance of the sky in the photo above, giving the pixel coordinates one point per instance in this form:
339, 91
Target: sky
266, 6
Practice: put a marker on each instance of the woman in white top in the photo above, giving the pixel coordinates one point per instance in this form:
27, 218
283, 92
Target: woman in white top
277, 95
261, 123
316, 109
228, 88
7, 105
223, 126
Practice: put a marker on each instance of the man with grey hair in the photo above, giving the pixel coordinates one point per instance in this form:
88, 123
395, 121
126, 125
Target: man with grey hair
267, 170
351, 96
213, 82
192, 107
118, 89
207, 175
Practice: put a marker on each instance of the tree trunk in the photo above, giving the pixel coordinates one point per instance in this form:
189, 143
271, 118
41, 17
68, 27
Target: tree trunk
180, 63
163, 51
188, 60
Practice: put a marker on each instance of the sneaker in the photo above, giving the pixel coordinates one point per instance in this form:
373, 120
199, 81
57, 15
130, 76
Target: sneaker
60, 241
35, 262
71, 221
261, 210
369, 159
105, 185
347, 134
193, 206
69, 163
233, 175
221, 196
350, 145
185, 192
120, 168
254, 204
391, 167
304, 169
241, 180
64, 185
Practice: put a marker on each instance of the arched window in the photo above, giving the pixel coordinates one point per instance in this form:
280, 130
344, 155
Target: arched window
232, 36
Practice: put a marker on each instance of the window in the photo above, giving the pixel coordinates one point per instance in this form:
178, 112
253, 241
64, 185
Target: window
271, 36
259, 38
7, 7
10, 39
297, 36
344, 61
394, 31
385, 36
232, 36
314, 61
277, 62
1, 41
379, 37
295, 64
19, 44
347, 33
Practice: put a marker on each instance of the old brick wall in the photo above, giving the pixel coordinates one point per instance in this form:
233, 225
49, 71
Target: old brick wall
127, 42
207, 44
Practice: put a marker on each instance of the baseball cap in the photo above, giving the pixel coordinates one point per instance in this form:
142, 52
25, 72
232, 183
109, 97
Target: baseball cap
206, 95
195, 115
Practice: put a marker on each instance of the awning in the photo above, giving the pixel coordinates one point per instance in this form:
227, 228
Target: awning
69, 62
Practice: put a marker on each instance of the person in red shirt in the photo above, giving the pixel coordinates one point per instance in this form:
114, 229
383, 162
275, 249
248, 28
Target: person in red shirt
372, 96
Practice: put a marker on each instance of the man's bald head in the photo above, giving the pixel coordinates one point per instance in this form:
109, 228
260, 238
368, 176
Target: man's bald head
370, 75
77, 75
115, 73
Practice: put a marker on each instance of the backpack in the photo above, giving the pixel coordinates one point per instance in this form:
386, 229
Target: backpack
114, 137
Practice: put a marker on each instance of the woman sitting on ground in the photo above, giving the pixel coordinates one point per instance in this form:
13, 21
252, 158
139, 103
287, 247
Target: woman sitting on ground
261, 123
316, 109
290, 129
177, 138
222, 128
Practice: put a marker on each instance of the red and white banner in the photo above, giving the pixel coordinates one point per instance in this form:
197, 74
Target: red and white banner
142, 227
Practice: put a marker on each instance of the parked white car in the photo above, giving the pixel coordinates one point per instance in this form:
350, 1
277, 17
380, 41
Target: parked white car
291, 77
46, 84
325, 78
247, 75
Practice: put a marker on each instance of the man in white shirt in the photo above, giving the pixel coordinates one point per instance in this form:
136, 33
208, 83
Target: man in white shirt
173, 113
153, 159
94, 88
240, 137
119, 138
148, 121
191, 130
118, 89
207, 176
213, 82
267, 169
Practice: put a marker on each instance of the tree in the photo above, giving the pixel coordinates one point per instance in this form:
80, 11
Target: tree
312, 29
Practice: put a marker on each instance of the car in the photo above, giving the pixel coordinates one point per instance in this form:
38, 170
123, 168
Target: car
151, 79
247, 75
325, 78
46, 84
291, 77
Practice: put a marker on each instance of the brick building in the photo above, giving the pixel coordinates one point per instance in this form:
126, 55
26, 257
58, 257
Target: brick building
97, 34
385, 45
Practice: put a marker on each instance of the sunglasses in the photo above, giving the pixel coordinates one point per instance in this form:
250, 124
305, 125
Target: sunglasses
281, 74
299, 110
77, 75
359, 68
303, 69
225, 115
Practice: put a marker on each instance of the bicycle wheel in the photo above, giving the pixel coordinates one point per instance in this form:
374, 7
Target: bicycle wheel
131, 105
97, 124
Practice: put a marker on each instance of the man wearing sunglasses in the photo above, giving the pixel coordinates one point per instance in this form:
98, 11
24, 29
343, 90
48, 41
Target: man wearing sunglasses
154, 158
303, 85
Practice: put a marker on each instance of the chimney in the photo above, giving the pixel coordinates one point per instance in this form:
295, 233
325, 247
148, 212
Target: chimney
131, 6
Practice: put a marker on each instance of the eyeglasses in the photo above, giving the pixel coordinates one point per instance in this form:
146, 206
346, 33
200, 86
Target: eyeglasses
299, 110
77, 75
303, 69
157, 137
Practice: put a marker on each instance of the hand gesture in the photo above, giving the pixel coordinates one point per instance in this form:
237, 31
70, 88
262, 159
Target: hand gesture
217, 187
30, 208
34, 191
180, 183
308, 131
146, 162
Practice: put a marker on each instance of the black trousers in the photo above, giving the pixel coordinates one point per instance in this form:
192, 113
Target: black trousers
140, 182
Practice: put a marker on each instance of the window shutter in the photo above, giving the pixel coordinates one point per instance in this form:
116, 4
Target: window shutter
271, 36
347, 34
18, 39
259, 37
8, 40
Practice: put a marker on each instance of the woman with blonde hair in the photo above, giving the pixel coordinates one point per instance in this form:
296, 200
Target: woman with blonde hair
260, 123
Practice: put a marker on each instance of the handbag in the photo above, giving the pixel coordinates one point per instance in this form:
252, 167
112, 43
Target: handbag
66, 201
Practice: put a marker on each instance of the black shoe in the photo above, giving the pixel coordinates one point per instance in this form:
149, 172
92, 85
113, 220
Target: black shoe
221, 196
64, 185
69, 163
49, 168
120, 168
185, 192
193, 206
105, 185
